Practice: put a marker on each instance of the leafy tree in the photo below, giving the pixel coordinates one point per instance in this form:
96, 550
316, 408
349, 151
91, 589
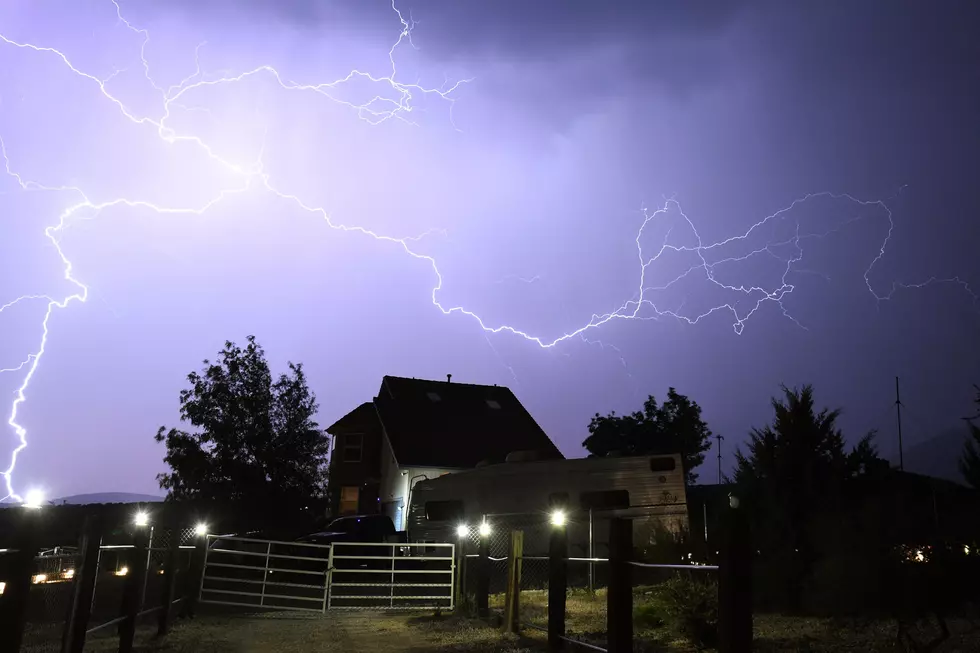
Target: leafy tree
795, 469
970, 459
254, 440
672, 427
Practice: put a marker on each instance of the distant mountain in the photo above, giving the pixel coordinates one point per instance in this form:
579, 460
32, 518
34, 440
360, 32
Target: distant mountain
938, 456
107, 497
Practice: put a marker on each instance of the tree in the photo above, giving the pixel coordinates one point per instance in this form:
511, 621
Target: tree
254, 440
673, 427
970, 459
796, 469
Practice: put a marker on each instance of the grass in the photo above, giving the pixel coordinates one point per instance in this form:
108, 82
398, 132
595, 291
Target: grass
217, 630
585, 619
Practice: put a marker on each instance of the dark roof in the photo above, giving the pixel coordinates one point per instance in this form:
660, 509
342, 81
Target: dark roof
444, 424
362, 419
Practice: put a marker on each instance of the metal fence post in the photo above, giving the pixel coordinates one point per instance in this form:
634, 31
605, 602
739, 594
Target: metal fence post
557, 586
133, 590
735, 583
169, 581
83, 592
194, 585
19, 569
265, 572
391, 588
619, 599
329, 589
483, 578
512, 600
591, 555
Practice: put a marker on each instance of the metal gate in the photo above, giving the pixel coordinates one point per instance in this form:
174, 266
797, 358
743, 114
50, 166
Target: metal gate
265, 573
391, 576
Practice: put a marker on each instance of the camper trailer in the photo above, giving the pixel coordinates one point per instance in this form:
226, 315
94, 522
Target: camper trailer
527, 495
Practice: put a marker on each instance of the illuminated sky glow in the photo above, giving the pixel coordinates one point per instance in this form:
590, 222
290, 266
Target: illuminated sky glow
491, 212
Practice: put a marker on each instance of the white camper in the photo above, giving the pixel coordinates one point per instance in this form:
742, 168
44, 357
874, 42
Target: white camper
525, 496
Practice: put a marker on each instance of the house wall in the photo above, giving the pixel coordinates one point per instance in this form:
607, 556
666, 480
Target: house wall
397, 482
365, 474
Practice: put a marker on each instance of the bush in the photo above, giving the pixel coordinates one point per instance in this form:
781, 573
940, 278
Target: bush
690, 609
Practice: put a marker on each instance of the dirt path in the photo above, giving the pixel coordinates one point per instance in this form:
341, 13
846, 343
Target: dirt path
336, 632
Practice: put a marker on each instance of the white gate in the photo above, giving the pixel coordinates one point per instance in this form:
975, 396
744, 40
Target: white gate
265, 573
391, 576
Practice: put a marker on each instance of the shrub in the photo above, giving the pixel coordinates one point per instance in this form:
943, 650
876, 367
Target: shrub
690, 609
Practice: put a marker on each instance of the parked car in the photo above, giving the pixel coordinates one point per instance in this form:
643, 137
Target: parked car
356, 528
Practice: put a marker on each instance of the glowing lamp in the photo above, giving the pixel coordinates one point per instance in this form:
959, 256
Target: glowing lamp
462, 530
201, 529
558, 518
141, 519
484, 529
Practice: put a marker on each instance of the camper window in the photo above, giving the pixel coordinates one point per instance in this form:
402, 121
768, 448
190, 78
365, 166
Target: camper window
606, 500
444, 510
662, 464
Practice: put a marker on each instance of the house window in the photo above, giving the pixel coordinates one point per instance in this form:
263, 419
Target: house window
349, 499
493, 403
353, 444
434, 396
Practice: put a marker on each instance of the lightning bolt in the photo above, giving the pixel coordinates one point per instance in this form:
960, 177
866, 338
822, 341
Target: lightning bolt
397, 103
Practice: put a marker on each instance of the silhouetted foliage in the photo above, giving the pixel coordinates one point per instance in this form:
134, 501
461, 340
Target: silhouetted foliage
673, 427
255, 439
688, 606
970, 459
797, 469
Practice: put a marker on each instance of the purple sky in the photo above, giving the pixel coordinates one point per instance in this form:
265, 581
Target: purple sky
533, 173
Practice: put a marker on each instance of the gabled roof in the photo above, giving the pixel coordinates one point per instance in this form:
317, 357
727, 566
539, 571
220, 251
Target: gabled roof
444, 424
363, 419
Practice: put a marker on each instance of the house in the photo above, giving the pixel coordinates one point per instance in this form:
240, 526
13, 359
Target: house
417, 429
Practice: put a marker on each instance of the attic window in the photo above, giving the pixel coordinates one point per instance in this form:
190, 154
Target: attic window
434, 396
493, 404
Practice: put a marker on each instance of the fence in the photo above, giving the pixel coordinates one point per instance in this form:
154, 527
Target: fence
250, 572
54, 599
523, 570
391, 576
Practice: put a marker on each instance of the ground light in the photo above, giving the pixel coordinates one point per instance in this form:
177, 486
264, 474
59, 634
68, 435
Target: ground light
462, 530
484, 529
558, 518
201, 529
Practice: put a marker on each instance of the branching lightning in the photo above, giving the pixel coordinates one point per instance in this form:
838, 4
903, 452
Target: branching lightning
397, 103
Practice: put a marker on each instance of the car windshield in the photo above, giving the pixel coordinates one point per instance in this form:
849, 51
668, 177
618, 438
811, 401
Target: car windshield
343, 525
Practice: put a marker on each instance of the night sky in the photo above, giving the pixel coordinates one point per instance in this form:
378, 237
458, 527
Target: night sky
530, 180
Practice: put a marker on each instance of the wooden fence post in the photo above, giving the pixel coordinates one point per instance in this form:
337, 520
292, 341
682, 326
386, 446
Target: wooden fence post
195, 577
133, 589
169, 580
619, 599
735, 583
483, 578
19, 566
462, 599
557, 586
512, 600
83, 592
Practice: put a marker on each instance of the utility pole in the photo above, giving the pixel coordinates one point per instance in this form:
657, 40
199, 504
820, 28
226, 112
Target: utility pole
898, 409
719, 438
